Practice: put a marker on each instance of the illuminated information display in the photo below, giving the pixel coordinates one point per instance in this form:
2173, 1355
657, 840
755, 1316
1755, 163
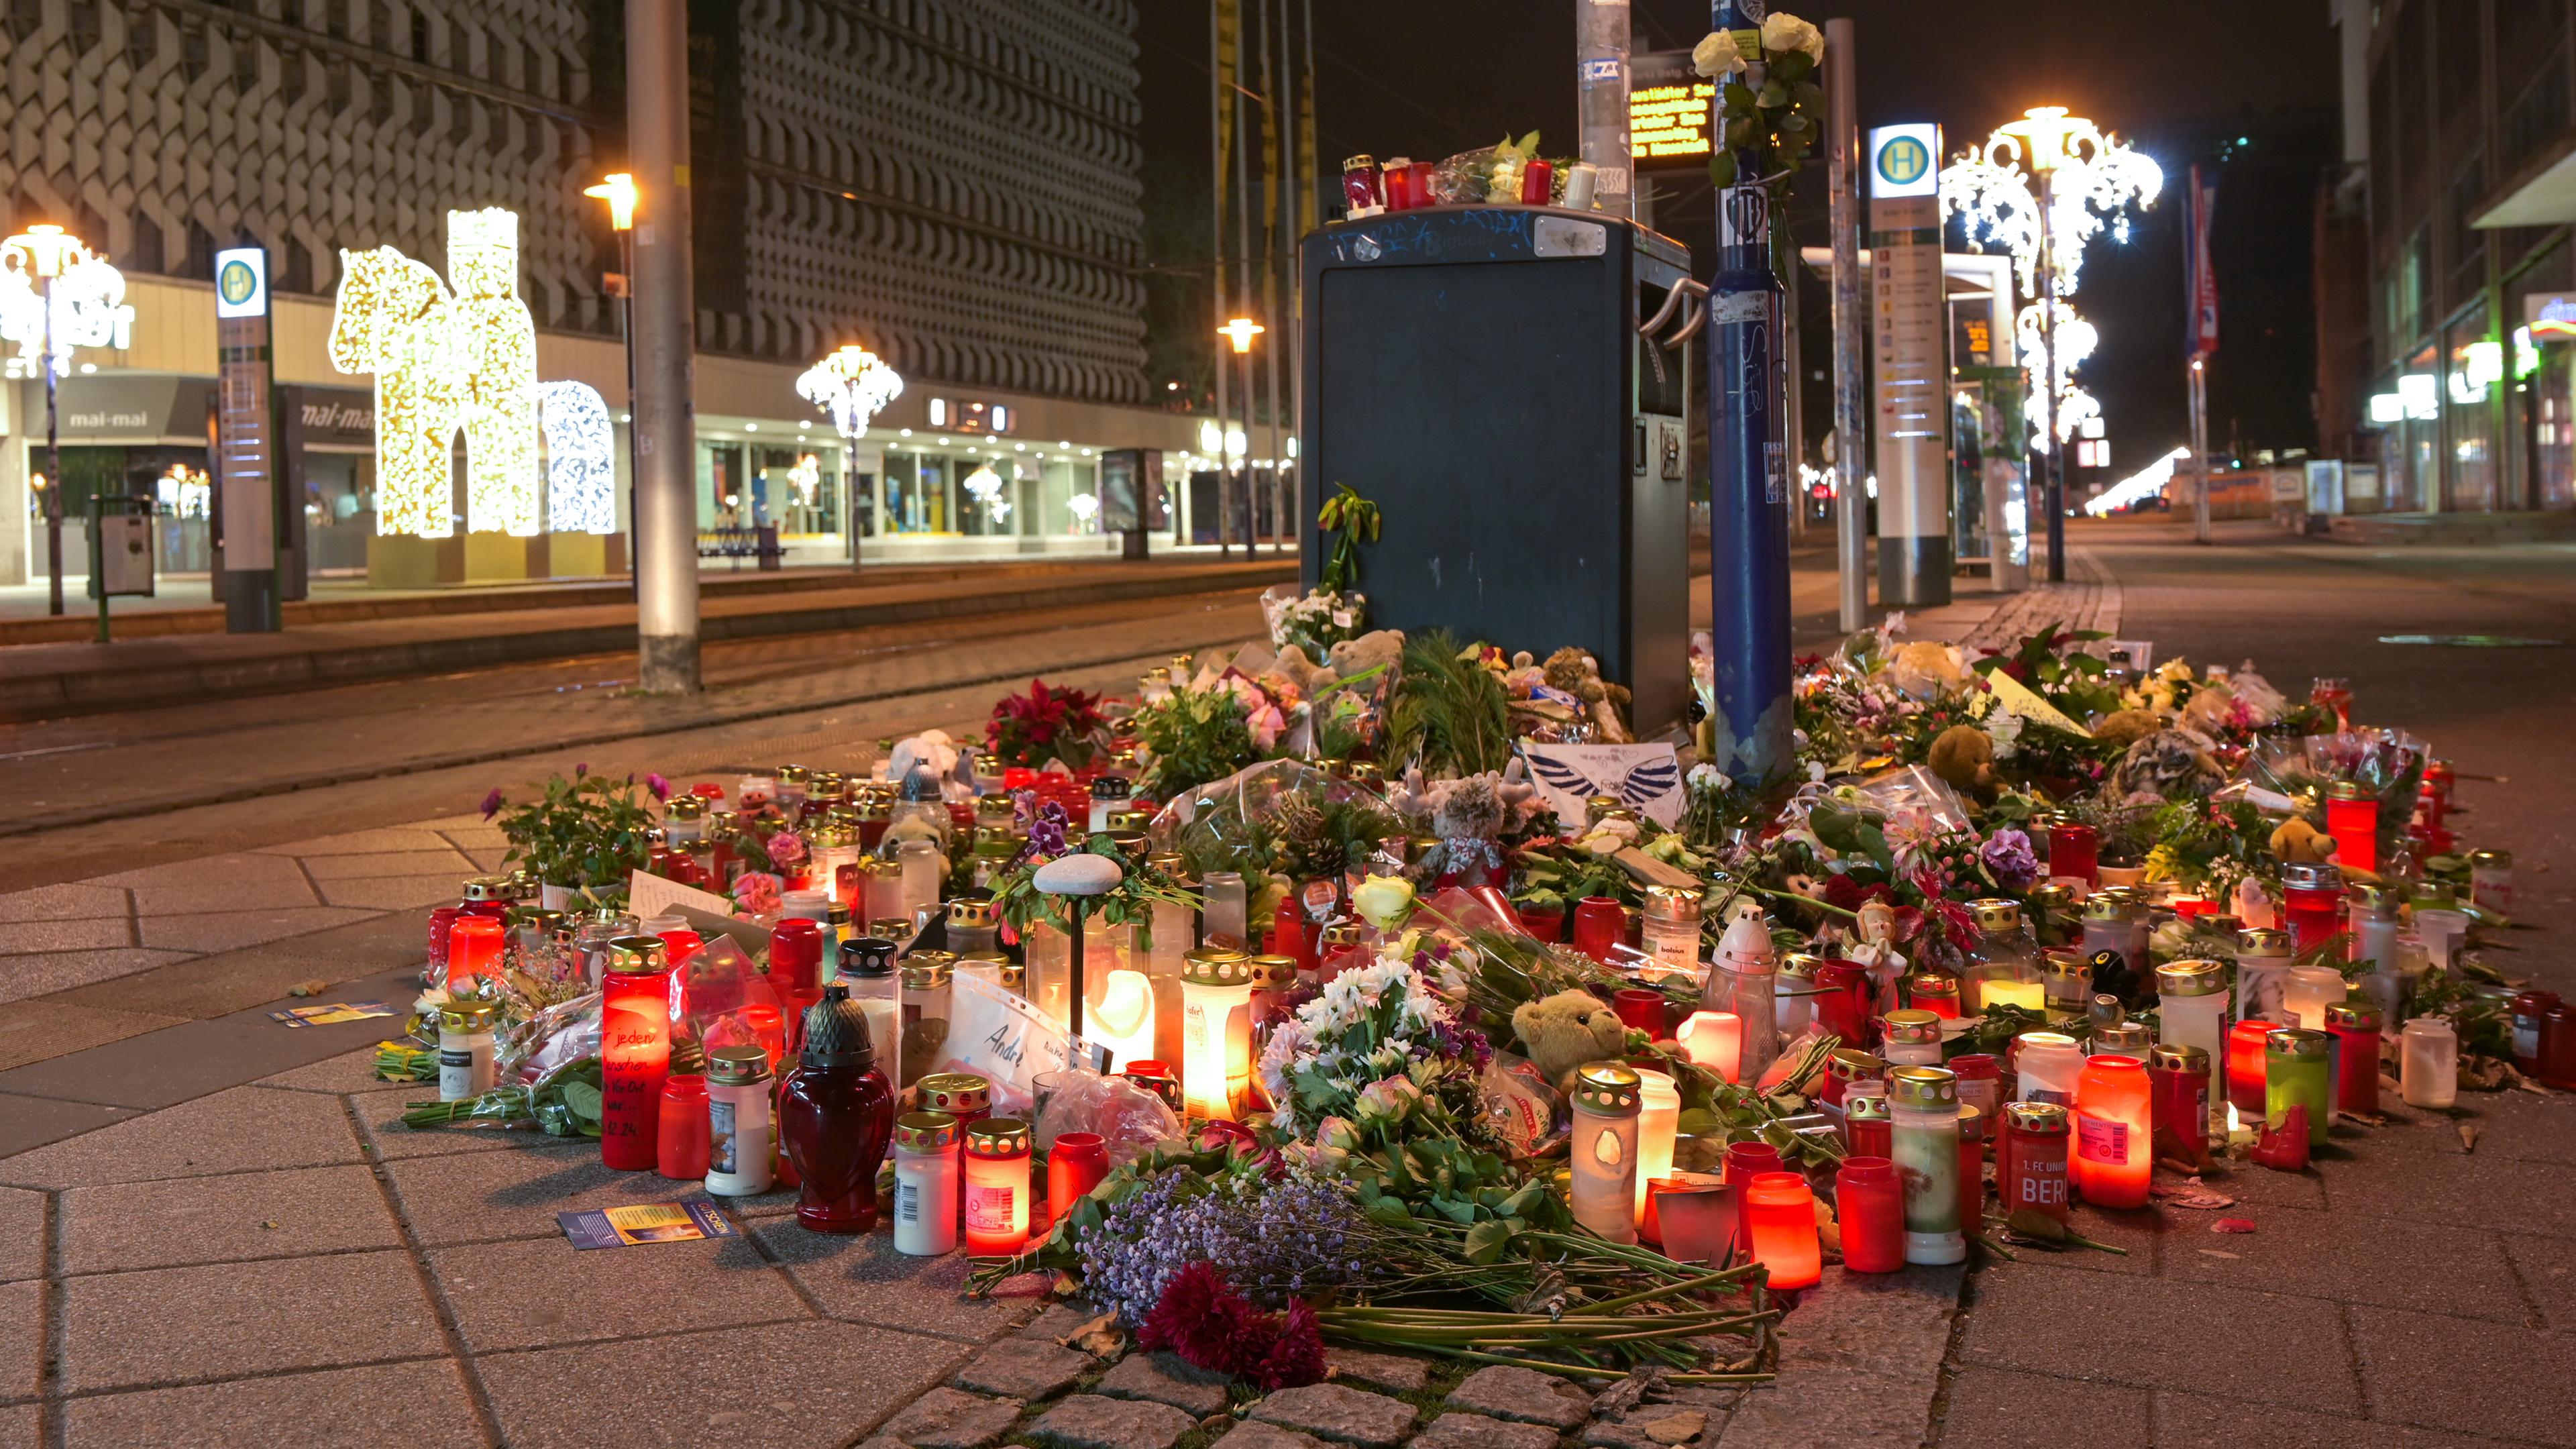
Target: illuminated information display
1668, 112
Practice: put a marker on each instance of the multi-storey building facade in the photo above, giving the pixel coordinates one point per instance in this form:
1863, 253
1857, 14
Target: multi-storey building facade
2445, 257
952, 183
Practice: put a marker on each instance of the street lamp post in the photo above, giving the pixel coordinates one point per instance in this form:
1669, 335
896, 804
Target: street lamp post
46, 250
853, 385
2042, 186
1240, 331
657, 143
617, 191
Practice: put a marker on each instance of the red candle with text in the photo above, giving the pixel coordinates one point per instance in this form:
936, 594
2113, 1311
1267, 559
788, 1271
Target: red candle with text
2311, 902
2114, 1132
2179, 1078
2030, 1159
1538, 180
1869, 1198
634, 1052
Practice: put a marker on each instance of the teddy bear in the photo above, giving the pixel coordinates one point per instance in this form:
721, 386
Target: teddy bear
1964, 757
1563, 1032
2126, 727
1305, 673
2296, 839
1579, 674
1354, 657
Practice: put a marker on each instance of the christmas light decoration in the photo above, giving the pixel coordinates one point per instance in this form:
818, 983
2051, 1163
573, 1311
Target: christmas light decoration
88, 299
581, 470
444, 361
805, 477
853, 385
2041, 189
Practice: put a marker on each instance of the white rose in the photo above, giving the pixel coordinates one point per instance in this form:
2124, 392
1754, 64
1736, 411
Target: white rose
1783, 33
1716, 55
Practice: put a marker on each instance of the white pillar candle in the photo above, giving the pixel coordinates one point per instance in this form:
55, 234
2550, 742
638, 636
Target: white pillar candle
1659, 1115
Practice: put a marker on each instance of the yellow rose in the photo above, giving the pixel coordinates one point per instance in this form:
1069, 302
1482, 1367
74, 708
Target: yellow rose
1383, 901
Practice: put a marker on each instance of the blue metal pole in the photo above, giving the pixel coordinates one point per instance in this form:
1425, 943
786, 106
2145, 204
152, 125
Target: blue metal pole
1748, 461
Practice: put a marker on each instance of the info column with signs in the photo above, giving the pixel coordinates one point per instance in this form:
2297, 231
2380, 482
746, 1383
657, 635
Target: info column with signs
1910, 373
245, 443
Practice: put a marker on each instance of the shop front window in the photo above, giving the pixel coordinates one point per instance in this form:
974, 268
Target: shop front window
721, 499
918, 493
988, 500
1067, 498
2549, 402
798, 490
2473, 369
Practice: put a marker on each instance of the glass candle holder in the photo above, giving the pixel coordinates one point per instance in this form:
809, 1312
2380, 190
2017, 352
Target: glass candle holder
1360, 194
1670, 936
742, 1132
1714, 1039
1123, 1019
1659, 1115
1743, 1160
1911, 1038
1866, 1121
926, 980
2114, 1132
2047, 1064
2066, 981
2298, 1067
1216, 1032
1694, 1216
997, 1186
1924, 1140
681, 1137
2352, 818
1607, 1100
2245, 1065
927, 1184
1934, 992
2309, 991
1846, 1003
1869, 1200
473, 949
1640, 1009
1599, 923
2429, 1063
1780, 1214
1077, 1162
2263, 974
2312, 902
1981, 1085
836, 1117
2491, 880
1223, 911
2030, 1158
2525, 1016
2178, 1076
634, 1052
2355, 1026
2191, 1006
2074, 850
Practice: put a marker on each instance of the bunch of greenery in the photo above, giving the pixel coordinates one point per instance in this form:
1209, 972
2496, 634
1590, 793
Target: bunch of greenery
1193, 736
1450, 714
584, 832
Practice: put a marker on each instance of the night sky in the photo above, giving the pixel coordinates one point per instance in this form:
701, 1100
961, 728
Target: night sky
2184, 81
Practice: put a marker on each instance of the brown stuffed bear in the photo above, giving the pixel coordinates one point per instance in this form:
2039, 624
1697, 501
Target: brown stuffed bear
2126, 727
2296, 839
1562, 1032
1964, 756
1579, 674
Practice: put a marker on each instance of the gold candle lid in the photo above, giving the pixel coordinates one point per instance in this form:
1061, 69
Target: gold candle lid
998, 1137
925, 1131
1610, 1088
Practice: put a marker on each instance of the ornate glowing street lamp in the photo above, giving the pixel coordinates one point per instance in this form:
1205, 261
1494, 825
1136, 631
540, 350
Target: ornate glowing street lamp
853, 385
1240, 331
46, 252
2042, 188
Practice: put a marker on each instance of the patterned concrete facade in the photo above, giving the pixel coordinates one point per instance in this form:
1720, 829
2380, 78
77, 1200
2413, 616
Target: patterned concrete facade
955, 183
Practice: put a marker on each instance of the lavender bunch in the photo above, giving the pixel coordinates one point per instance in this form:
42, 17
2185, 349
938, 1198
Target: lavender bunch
1272, 1238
